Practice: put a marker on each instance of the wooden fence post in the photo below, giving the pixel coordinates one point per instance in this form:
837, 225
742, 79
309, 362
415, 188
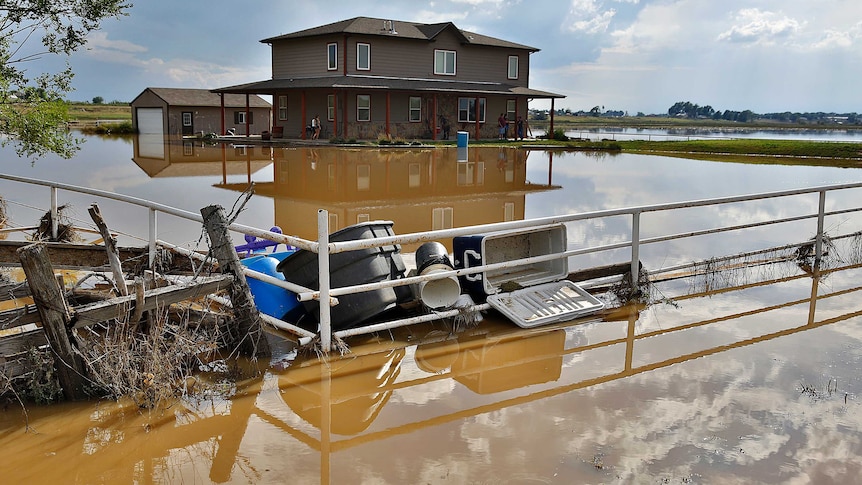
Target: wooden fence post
252, 338
54, 312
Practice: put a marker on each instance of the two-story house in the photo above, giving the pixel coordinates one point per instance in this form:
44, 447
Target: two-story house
367, 77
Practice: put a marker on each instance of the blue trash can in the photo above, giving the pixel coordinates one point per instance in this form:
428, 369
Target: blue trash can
462, 139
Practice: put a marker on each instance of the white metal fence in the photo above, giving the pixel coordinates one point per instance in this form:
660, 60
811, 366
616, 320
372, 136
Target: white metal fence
633, 243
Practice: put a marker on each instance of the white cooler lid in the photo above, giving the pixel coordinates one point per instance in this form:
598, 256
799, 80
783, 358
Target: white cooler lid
557, 301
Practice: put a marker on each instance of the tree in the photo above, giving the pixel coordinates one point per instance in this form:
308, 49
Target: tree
98, 100
32, 110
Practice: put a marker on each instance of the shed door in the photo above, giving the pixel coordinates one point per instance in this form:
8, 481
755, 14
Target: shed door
150, 121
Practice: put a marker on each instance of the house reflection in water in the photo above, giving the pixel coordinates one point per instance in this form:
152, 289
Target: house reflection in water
167, 156
418, 189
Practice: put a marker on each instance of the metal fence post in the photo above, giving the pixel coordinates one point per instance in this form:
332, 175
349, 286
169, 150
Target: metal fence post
323, 278
152, 237
54, 214
818, 244
636, 237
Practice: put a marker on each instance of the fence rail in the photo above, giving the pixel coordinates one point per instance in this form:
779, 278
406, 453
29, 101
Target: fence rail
324, 247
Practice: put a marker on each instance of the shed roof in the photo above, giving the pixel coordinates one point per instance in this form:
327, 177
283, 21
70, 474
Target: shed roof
205, 97
399, 28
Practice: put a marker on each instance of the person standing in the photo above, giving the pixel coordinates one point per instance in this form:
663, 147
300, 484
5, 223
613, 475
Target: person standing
519, 127
501, 124
315, 127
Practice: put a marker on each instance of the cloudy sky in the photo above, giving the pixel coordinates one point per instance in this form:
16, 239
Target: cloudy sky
630, 55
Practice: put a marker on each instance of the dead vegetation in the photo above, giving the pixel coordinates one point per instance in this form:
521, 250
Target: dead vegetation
151, 362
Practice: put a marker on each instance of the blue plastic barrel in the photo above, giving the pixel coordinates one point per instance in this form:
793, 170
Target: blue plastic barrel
462, 138
272, 300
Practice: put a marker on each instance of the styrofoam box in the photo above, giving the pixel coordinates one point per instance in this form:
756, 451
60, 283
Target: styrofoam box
498, 247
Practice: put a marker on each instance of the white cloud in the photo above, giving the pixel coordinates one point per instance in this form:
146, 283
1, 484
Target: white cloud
756, 26
589, 16
99, 41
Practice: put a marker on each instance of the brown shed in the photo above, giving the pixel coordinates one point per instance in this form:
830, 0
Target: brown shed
179, 112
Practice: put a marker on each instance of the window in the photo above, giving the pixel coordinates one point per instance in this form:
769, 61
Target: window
415, 109
360, 218
444, 62
239, 117
414, 175
363, 57
363, 177
510, 111
330, 107
508, 211
282, 108
442, 218
513, 67
332, 56
363, 107
187, 118
467, 110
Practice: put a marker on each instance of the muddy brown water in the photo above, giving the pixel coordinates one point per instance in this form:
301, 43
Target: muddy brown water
754, 380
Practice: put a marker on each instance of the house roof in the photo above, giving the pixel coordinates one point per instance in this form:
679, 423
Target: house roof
388, 83
205, 97
399, 28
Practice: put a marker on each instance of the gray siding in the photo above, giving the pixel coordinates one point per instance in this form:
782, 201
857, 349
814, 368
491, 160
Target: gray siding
391, 56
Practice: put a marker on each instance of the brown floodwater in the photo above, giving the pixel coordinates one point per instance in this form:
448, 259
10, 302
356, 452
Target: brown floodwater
751, 377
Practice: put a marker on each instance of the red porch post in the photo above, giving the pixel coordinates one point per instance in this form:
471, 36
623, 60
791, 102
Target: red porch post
551, 131
247, 116
221, 99
476, 135
304, 116
434, 117
388, 106
344, 112
334, 114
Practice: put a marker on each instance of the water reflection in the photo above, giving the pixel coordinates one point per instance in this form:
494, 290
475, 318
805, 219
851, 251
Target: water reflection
419, 189
724, 380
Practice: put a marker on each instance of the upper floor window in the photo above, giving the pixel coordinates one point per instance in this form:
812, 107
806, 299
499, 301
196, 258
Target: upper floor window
513, 67
363, 57
444, 62
363, 107
332, 56
415, 109
282, 107
467, 110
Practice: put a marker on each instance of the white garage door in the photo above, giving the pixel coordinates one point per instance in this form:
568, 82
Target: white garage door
150, 121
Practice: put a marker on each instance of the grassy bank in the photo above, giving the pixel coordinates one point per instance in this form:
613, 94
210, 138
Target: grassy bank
773, 148
83, 113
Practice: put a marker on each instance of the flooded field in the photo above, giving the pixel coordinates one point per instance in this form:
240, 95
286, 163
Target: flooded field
745, 375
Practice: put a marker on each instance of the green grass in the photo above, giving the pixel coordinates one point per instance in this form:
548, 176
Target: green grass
775, 148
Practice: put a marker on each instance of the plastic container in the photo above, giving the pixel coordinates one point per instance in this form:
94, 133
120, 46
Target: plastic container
463, 136
350, 268
269, 299
442, 293
498, 247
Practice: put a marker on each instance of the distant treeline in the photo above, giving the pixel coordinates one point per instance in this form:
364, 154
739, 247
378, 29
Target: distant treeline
688, 110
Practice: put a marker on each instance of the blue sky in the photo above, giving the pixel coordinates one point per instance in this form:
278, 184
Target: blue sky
630, 55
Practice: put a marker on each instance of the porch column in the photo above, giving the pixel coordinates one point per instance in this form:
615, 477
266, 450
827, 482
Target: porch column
303, 116
247, 116
388, 106
221, 100
344, 112
551, 130
476, 135
334, 113
434, 117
